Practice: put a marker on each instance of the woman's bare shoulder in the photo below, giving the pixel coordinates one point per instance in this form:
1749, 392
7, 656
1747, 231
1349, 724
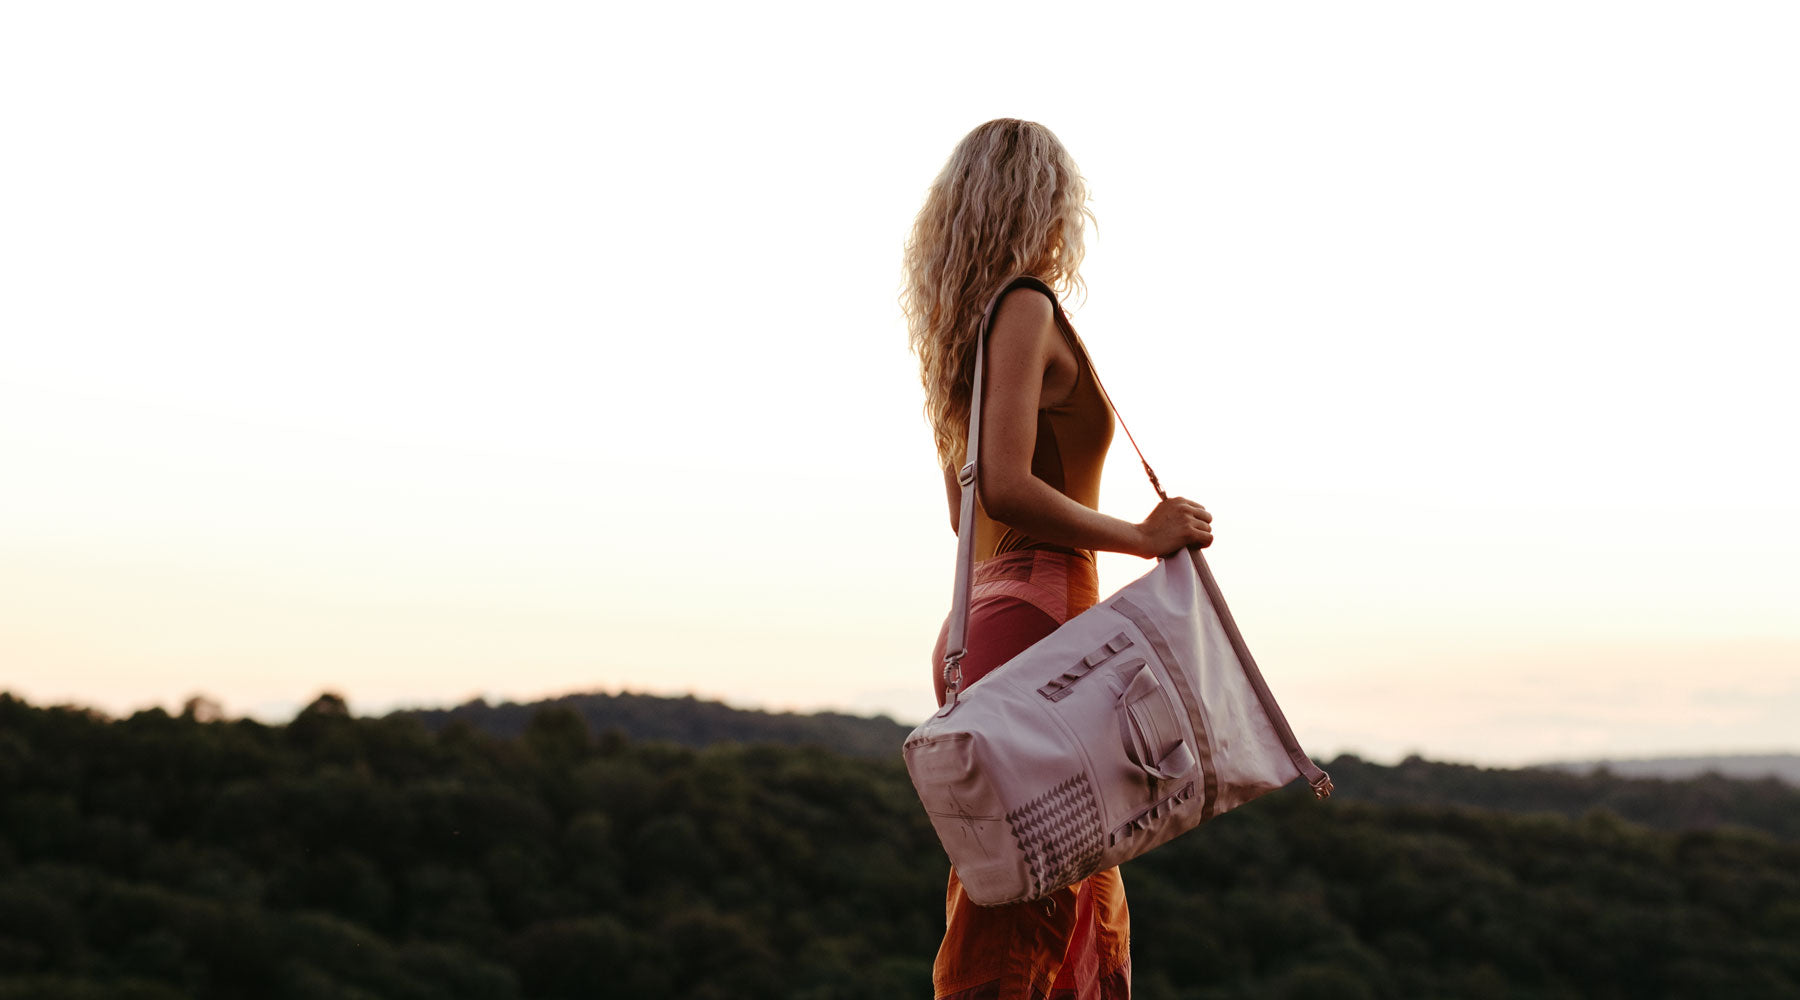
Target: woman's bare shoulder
1026, 301
1025, 314
1025, 346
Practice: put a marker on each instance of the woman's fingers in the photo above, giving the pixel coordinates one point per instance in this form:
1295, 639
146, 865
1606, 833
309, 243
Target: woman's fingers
1194, 510
1199, 522
1178, 523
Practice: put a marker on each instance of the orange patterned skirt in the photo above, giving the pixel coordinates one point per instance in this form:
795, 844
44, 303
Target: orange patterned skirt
1074, 944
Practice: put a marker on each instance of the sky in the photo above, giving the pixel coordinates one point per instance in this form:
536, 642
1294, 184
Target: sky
424, 352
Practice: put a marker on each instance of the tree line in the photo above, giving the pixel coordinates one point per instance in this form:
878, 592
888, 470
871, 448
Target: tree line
161, 856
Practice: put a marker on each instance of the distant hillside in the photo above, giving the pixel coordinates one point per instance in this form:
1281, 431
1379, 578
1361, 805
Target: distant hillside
1701, 802
687, 720
1785, 766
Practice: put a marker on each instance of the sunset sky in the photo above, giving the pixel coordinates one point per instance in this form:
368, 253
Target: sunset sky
423, 352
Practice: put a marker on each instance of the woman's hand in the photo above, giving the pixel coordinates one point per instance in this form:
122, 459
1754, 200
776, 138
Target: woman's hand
1176, 523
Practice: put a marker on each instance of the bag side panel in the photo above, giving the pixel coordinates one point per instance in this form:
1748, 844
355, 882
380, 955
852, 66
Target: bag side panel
965, 807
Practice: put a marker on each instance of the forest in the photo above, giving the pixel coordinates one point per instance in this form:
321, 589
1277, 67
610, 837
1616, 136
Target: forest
559, 851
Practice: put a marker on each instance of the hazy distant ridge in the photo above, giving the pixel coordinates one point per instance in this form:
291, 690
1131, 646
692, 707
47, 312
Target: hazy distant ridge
1785, 766
1695, 801
686, 720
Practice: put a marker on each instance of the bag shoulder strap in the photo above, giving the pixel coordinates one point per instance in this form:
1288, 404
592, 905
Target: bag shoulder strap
956, 643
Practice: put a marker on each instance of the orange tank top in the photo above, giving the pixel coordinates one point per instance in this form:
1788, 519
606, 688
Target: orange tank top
1072, 437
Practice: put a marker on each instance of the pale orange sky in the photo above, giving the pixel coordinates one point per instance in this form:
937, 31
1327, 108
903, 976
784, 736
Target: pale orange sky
421, 354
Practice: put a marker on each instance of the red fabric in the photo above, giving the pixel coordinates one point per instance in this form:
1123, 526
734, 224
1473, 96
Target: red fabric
1074, 944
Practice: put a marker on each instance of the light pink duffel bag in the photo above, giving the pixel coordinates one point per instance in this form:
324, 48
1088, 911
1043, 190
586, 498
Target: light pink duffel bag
1134, 722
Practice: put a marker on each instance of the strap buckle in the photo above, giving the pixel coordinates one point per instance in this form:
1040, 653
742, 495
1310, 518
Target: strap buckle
966, 475
952, 680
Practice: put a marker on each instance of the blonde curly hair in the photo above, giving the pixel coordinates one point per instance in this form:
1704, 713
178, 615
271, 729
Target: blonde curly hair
1009, 201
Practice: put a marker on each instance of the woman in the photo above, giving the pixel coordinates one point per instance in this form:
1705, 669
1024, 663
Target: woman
1010, 204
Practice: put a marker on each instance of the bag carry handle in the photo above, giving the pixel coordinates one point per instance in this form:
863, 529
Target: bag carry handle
956, 643
1140, 746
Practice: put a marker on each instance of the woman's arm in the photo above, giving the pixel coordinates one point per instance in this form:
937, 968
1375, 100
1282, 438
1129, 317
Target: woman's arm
1019, 357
